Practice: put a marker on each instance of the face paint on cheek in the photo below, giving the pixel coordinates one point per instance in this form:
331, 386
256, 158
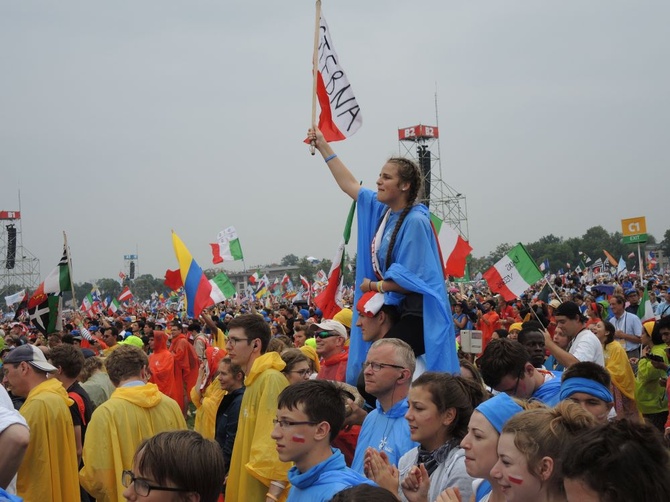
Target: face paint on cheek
298, 438
517, 480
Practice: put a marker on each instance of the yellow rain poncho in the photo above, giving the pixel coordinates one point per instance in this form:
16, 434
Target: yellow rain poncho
116, 429
255, 461
207, 405
49, 467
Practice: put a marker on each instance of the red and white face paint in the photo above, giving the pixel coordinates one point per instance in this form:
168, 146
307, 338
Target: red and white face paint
512, 473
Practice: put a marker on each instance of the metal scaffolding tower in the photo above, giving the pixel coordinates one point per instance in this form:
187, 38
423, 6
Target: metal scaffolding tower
19, 268
421, 144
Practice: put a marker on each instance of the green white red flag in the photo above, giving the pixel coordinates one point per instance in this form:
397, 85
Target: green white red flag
227, 246
645, 311
513, 274
330, 299
222, 288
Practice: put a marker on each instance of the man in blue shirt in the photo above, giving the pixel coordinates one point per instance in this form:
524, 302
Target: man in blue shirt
387, 371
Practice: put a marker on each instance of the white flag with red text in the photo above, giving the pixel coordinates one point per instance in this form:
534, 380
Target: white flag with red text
340, 114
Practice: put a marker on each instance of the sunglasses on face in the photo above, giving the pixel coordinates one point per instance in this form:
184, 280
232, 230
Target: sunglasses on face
325, 334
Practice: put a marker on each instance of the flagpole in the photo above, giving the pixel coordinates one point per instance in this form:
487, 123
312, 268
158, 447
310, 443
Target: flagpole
639, 257
315, 58
552, 288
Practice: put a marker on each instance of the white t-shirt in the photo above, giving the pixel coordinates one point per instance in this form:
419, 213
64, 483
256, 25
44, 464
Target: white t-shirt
9, 416
586, 347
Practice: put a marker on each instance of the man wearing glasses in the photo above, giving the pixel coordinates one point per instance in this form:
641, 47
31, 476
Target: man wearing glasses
255, 472
628, 327
330, 338
506, 367
388, 371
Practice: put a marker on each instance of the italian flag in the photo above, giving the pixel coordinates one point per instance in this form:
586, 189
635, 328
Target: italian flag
330, 299
227, 246
222, 288
87, 303
453, 248
114, 306
513, 274
645, 311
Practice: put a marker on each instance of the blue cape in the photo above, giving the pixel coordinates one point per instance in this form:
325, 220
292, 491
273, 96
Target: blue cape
416, 267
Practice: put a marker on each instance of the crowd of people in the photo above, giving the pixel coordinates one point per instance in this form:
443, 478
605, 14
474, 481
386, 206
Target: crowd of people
566, 400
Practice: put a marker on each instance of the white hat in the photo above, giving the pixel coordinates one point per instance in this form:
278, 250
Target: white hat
30, 354
330, 325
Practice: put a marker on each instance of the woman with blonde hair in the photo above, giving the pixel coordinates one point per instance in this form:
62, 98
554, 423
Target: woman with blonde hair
529, 452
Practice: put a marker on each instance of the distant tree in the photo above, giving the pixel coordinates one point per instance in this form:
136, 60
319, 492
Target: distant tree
110, 287
325, 265
665, 243
305, 268
289, 260
500, 251
143, 286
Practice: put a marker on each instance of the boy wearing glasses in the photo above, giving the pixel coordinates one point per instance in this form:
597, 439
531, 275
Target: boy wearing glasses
310, 414
256, 472
330, 336
506, 367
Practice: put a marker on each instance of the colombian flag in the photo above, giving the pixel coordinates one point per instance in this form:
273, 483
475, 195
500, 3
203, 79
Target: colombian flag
196, 284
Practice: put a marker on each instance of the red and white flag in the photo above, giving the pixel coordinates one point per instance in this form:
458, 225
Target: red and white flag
340, 114
122, 276
330, 300
453, 247
125, 295
253, 279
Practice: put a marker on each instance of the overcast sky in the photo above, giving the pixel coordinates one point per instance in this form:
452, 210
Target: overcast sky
122, 120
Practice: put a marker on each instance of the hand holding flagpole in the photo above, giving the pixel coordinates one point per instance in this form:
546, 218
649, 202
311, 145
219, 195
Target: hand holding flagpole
315, 59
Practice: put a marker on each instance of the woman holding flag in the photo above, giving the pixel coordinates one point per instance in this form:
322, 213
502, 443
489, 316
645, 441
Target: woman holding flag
398, 255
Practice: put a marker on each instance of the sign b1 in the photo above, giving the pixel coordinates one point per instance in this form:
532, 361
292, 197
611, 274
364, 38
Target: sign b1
634, 230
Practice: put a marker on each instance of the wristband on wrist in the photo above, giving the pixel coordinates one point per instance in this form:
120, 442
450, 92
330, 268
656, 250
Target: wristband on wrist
329, 158
278, 484
380, 287
270, 496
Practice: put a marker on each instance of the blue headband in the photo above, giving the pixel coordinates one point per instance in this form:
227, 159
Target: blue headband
590, 387
498, 410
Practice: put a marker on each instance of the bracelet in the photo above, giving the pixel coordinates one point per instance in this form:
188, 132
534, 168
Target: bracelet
329, 158
380, 286
270, 496
278, 484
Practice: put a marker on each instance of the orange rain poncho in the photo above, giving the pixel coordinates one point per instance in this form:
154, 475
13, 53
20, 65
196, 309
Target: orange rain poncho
161, 364
186, 367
